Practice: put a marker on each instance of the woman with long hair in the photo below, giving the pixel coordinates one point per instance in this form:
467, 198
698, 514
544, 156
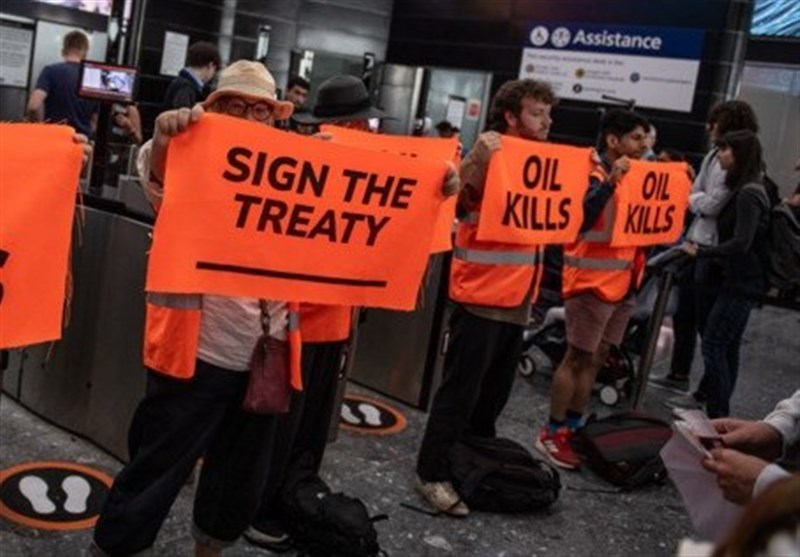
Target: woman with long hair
740, 257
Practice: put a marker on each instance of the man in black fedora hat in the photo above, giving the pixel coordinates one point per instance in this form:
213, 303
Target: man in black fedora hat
301, 438
342, 100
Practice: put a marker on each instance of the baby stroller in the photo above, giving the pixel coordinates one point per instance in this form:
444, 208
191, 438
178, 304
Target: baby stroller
615, 380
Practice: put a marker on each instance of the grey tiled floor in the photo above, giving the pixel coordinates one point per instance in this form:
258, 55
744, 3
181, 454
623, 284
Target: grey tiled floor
380, 470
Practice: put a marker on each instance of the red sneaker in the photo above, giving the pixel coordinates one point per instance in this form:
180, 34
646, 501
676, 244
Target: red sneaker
556, 447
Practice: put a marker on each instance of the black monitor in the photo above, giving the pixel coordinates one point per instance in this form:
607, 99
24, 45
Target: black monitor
107, 82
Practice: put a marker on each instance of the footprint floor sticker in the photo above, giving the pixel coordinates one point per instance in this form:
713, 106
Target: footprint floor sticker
53, 495
367, 415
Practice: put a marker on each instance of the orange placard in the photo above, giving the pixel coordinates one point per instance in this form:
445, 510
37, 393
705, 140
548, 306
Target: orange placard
427, 147
39, 170
652, 201
256, 212
534, 193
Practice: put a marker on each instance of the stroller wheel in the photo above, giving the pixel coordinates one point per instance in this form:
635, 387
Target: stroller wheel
609, 395
526, 366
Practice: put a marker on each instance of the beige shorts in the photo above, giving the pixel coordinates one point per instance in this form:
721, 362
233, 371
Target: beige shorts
590, 321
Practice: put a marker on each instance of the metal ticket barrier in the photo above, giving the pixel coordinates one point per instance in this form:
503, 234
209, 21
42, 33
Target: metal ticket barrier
401, 354
91, 380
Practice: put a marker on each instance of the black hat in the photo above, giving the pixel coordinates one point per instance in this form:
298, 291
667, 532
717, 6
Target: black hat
446, 126
341, 98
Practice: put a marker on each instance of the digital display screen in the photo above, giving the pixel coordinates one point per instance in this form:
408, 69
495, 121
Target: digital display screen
776, 18
95, 6
107, 82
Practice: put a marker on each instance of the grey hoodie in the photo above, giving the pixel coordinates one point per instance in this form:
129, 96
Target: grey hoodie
708, 197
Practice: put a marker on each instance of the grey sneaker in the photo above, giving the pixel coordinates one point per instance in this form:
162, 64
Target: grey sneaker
442, 497
687, 401
672, 382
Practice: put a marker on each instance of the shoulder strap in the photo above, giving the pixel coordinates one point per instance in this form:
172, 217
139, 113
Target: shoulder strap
760, 192
264, 317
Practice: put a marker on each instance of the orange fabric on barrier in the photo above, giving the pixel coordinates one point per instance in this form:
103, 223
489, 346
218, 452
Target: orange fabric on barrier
653, 198
427, 147
256, 212
534, 193
40, 166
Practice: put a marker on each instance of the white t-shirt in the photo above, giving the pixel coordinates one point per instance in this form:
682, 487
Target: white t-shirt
230, 328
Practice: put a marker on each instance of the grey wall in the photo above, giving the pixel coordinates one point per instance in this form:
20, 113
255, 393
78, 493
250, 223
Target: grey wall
346, 27
774, 93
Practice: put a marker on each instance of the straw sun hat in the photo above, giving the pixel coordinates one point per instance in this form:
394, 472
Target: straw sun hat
253, 81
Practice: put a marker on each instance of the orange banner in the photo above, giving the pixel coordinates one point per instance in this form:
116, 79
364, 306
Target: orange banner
256, 212
39, 170
426, 147
652, 201
534, 193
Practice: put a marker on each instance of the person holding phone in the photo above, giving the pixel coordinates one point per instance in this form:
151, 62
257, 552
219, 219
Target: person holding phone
745, 464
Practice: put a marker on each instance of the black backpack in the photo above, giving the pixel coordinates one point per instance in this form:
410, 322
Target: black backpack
500, 475
328, 524
783, 270
624, 448
782, 259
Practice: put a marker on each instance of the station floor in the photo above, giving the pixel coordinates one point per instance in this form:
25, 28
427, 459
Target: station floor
379, 470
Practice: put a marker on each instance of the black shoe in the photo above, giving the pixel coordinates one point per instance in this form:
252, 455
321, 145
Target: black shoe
673, 382
269, 535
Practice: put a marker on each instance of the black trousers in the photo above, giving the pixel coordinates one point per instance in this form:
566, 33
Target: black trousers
177, 423
479, 370
302, 434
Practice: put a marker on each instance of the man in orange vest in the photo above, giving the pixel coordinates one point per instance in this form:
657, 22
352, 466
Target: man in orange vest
599, 285
198, 353
302, 434
492, 285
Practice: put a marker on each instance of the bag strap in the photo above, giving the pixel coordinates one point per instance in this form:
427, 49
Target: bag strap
475, 477
420, 510
264, 317
653, 469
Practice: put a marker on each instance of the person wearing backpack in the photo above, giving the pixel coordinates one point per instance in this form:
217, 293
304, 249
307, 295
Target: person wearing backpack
741, 260
784, 246
697, 283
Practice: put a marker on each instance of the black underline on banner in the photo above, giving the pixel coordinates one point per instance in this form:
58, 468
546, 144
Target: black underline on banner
225, 268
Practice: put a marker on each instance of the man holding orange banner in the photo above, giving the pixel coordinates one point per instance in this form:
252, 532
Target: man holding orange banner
198, 351
599, 285
492, 285
344, 108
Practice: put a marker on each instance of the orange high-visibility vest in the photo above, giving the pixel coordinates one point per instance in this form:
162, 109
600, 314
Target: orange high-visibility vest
492, 273
592, 265
323, 323
172, 333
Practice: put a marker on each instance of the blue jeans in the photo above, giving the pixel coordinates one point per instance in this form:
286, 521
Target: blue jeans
721, 342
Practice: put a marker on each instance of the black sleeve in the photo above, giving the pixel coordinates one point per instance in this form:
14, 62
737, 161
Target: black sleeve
748, 215
595, 201
183, 97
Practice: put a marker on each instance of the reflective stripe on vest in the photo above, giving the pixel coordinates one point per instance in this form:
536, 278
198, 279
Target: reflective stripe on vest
175, 301
489, 257
597, 264
294, 321
608, 216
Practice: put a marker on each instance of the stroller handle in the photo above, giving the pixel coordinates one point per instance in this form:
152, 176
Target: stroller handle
672, 259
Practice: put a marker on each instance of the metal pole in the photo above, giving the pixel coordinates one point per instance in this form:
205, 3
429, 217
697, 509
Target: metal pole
665, 282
